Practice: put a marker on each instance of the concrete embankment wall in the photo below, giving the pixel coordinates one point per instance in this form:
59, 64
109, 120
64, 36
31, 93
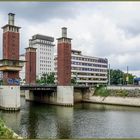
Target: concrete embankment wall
119, 95
77, 96
81, 94
124, 87
124, 90
129, 101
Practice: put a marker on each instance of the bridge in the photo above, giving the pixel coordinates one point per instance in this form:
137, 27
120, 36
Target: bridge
48, 87
53, 94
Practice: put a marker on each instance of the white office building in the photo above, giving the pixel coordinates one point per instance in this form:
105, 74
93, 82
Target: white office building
87, 70
44, 53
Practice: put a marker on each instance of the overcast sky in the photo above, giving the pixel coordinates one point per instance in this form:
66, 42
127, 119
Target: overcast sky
103, 29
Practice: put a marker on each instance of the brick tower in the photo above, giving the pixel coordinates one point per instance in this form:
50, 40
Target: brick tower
30, 58
10, 64
64, 59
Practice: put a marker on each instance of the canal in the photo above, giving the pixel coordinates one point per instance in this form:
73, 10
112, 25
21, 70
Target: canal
84, 120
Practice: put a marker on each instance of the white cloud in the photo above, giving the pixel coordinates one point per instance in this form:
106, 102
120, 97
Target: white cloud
109, 30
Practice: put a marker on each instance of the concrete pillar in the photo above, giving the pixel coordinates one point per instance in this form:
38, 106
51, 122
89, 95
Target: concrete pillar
10, 97
29, 95
65, 95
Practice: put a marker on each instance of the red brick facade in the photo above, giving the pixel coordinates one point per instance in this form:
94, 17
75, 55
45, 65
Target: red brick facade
30, 69
64, 61
10, 51
11, 45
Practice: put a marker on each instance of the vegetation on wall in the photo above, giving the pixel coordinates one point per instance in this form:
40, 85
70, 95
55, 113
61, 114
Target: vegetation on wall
104, 92
101, 91
122, 93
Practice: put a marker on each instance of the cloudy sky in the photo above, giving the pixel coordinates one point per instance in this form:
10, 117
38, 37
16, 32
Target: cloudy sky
104, 29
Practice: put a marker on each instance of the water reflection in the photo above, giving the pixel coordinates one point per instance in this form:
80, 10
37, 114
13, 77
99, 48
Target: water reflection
81, 121
105, 107
32, 126
64, 122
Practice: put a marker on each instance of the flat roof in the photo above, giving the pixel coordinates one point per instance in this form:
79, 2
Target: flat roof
43, 37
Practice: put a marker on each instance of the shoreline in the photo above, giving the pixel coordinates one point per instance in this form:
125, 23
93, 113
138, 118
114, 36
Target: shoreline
112, 100
7, 133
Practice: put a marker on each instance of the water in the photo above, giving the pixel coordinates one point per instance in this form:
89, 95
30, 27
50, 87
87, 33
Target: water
82, 121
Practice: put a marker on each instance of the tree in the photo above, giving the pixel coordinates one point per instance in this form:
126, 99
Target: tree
73, 80
130, 78
1, 82
119, 77
116, 77
46, 79
50, 78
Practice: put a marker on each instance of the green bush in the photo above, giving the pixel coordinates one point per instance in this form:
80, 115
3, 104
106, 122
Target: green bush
5, 132
101, 91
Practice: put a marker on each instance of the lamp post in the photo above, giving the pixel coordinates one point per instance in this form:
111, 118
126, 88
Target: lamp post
76, 78
134, 80
109, 75
127, 78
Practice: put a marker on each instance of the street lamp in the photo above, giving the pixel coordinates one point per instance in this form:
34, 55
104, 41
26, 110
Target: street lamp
127, 78
109, 75
134, 80
76, 78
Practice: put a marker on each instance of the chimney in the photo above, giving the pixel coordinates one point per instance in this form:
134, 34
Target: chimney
11, 19
64, 32
30, 43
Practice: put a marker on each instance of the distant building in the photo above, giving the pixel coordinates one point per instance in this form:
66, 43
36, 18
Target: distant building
44, 53
22, 72
87, 70
136, 81
1, 75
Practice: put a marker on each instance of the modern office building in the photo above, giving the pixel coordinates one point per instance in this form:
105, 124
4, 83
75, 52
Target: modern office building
87, 70
44, 53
